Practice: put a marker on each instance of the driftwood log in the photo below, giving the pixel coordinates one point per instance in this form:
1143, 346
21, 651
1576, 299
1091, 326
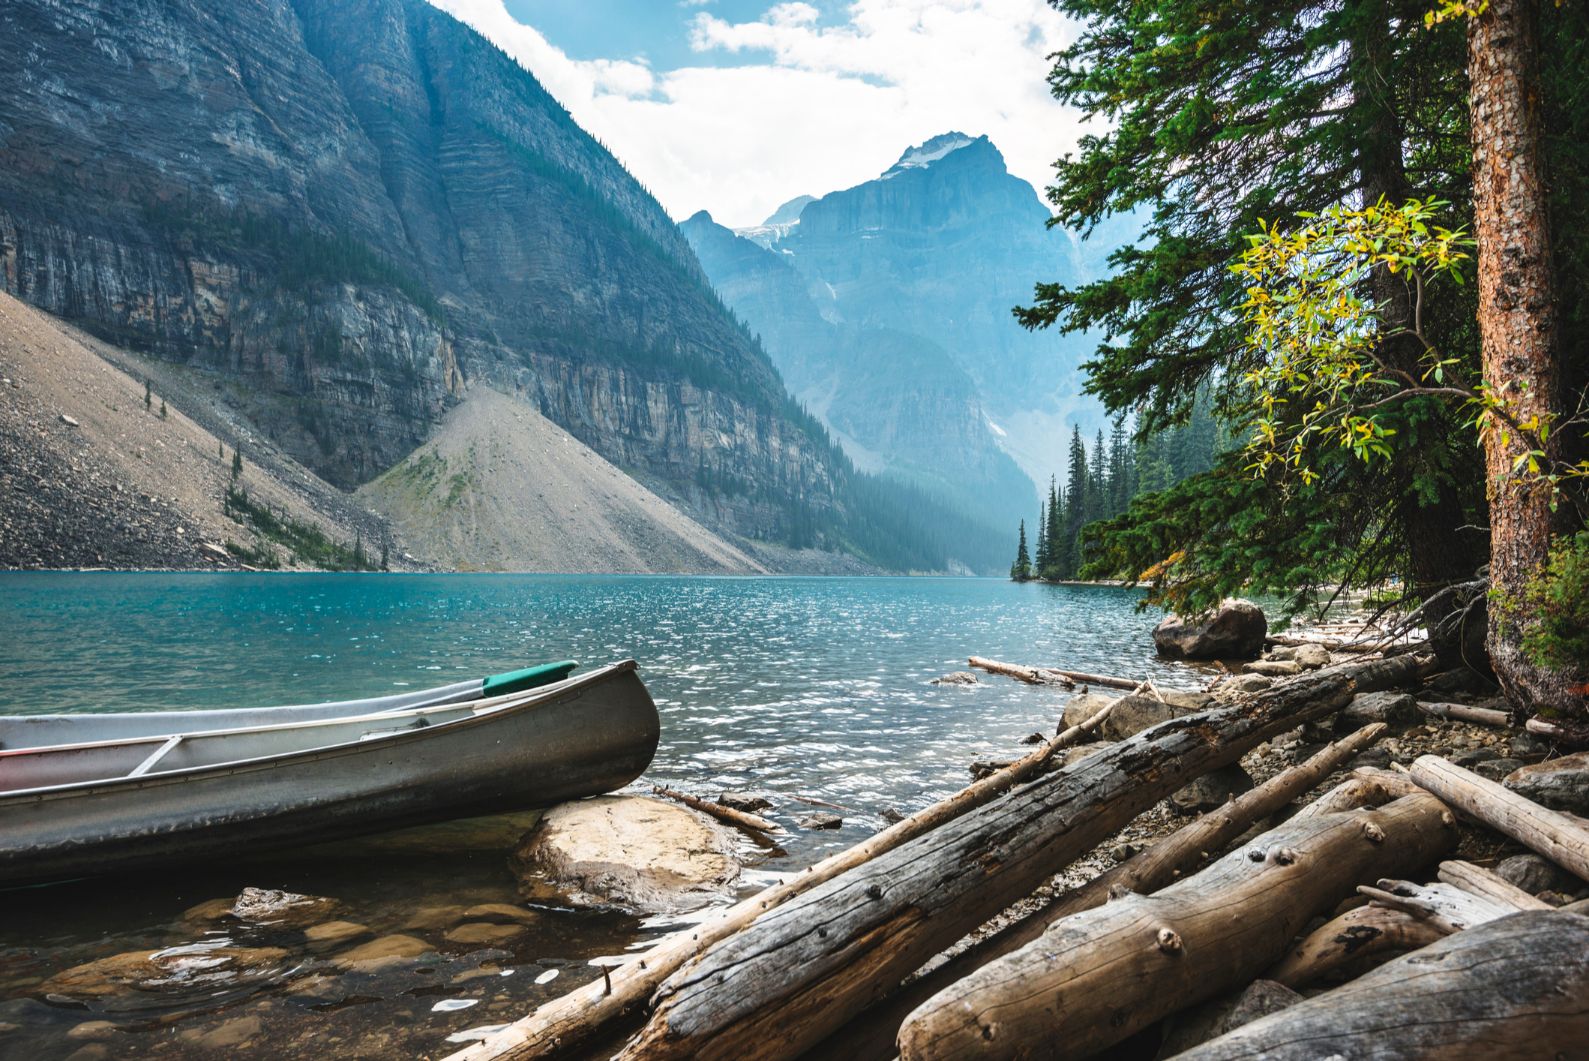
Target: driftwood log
1051, 675
1404, 916
1367, 787
1479, 716
803, 969
1098, 977
753, 822
1188, 848
599, 1008
1357, 934
1509, 989
1560, 837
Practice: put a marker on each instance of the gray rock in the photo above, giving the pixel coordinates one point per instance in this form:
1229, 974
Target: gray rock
1461, 680
749, 802
959, 677
981, 768
1393, 709
630, 852
271, 906
1534, 874
1081, 708
1561, 784
1212, 791
821, 821
1471, 757
1033, 738
69, 421
1133, 714
1274, 668
1235, 630
1529, 746
1247, 683
1308, 656
1496, 769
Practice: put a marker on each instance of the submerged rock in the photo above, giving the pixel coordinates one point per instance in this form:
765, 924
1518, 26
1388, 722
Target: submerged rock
382, 953
173, 968
821, 821
271, 906
486, 933
335, 932
749, 802
628, 851
1235, 630
959, 677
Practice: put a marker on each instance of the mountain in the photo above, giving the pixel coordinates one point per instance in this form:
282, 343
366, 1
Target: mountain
897, 401
934, 252
353, 212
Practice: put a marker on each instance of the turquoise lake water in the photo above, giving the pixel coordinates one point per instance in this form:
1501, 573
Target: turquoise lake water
814, 687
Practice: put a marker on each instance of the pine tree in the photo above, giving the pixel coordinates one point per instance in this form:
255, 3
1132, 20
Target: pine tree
237, 463
1055, 531
1021, 570
162, 408
147, 396
1041, 563
1122, 483
1077, 504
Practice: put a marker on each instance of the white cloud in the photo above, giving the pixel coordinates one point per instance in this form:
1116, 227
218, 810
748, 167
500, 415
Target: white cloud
807, 107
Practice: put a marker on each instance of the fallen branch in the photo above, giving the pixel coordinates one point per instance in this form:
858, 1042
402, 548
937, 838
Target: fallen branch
1098, 977
1479, 716
1481, 882
1051, 675
1561, 838
1356, 934
574, 1019
743, 820
1445, 907
1367, 787
800, 971
1509, 989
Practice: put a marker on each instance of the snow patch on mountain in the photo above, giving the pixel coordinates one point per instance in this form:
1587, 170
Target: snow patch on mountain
926, 154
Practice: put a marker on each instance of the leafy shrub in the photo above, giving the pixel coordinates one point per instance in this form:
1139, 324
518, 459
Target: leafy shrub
1554, 607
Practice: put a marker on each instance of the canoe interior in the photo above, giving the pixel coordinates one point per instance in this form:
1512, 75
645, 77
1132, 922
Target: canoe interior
37, 731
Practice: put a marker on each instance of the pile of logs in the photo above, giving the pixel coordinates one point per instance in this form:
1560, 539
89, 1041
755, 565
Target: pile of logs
847, 959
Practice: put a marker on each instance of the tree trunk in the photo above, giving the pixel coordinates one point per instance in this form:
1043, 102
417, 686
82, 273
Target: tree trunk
1099, 977
1517, 327
802, 970
1509, 989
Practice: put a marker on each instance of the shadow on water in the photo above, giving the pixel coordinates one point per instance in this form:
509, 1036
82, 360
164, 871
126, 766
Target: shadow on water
803, 689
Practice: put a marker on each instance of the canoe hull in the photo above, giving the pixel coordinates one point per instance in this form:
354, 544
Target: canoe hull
589, 735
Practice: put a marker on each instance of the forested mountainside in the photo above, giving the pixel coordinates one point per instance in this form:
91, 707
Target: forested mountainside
911, 279
353, 209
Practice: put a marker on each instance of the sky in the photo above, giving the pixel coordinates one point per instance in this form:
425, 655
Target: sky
736, 106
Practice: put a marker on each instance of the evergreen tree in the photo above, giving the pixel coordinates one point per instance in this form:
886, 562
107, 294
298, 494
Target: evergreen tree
1021, 570
1076, 507
1041, 563
1055, 531
147, 395
162, 408
1098, 481
237, 463
1122, 483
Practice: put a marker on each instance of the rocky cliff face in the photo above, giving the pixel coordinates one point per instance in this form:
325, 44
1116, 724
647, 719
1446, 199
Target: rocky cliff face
940, 247
355, 207
896, 399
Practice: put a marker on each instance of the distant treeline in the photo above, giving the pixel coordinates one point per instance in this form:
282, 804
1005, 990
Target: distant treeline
1101, 484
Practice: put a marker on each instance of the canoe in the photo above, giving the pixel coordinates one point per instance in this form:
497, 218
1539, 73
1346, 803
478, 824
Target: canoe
33, 731
94, 807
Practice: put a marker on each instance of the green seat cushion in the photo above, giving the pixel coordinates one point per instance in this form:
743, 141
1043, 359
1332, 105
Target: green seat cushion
516, 681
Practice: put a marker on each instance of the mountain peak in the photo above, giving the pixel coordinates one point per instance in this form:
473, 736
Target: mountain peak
789, 213
926, 154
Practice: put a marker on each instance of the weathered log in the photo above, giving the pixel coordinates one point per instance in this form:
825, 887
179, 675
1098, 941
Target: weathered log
1509, 989
1097, 977
1479, 716
1186, 849
753, 822
1479, 881
1051, 675
1021, 672
1367, 787
1356, 934
1560, 837
567, 1022
803, 969
1445, 907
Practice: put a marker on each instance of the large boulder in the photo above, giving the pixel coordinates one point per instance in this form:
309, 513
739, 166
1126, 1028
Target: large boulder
1235, 630
1394, 709
1078, 709
629, 852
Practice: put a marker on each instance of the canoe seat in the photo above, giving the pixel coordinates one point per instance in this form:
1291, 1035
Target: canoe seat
156, 755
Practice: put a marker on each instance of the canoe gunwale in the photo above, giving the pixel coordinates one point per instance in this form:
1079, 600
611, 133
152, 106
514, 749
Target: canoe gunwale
521, 702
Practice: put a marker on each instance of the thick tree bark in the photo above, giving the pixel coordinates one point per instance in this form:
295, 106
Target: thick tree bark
1510, 989
872, 1034
802, 970
1517, 326
1100, 976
